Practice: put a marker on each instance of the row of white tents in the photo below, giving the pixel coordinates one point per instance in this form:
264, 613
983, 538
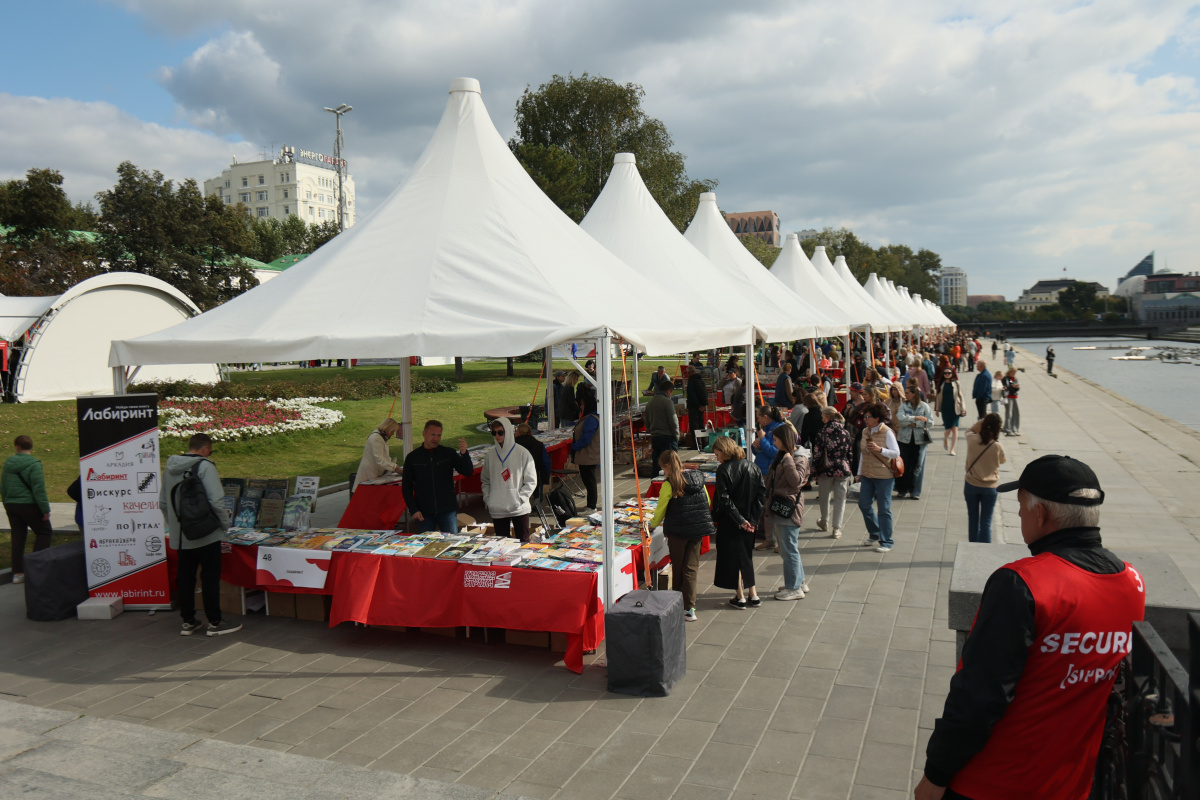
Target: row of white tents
467, 255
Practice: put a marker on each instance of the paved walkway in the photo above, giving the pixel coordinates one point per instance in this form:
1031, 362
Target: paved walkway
830, 697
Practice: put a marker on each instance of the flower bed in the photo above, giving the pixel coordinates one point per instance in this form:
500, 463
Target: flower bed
234, 420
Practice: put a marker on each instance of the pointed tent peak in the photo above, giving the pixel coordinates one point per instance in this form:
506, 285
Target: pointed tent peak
465, 85
624, 158
791, 236
708, 197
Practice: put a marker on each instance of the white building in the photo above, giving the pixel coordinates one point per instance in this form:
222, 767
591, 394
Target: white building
296, 182
952, 287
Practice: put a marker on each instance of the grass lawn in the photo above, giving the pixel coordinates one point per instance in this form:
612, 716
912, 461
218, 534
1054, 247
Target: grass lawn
332, 454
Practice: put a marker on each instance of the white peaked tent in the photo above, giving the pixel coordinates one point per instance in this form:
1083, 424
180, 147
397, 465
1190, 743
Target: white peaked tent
781, 314
797, 272
860, 305
466, 256
894, 321
937, 310
629, 223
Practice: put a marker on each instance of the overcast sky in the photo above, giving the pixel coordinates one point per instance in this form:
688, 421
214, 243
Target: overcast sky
1013, 137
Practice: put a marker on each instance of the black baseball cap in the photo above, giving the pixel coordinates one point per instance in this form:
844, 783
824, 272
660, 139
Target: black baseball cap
1056, 478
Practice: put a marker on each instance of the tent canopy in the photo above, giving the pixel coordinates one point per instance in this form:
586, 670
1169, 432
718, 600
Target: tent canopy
879, 291
626, 220
18, 313
838, 273
780, 313
796, 272
466, 256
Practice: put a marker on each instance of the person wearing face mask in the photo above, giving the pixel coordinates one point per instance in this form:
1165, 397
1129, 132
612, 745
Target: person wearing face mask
376, 460
509, 478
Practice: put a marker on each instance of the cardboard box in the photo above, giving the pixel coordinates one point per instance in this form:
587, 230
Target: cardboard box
281, 604
558, 642
233, 599
100, 608
527, 638
313, 607
452, 633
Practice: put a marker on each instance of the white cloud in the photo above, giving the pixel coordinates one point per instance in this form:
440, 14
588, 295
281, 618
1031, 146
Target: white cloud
86, 142
1014, 137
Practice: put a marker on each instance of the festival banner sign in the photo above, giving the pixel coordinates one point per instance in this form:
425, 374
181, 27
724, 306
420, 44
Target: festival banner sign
124, 534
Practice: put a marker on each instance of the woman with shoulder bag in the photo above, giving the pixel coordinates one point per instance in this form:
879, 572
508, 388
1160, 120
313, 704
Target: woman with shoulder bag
877, 454
984, 457
737, 507
832, 457
949, 403
684, 512
914, 418
785, 510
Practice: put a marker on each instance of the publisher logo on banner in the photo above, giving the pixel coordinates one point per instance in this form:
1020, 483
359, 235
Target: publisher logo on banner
118, 466
486, 579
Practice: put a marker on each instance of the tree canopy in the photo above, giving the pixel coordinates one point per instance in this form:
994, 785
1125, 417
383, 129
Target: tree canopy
1078, 299
569, 130
764, 252
43, 251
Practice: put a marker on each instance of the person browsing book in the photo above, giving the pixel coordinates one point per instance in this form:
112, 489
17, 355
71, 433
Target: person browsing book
429, 480
509, 478
376, 460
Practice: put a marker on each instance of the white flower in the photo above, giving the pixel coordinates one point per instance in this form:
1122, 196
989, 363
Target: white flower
177, 422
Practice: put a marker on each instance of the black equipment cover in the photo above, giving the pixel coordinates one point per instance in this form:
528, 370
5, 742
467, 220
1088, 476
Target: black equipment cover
55, 582
647, 648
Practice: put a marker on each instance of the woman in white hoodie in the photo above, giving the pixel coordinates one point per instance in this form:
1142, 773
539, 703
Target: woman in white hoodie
509, 477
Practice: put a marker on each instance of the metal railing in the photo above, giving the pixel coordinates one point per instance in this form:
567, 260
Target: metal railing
1151, 744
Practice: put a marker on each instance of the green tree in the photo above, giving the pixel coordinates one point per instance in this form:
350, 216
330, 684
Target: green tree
918, 271
36, 206
765, 252
860, 256
569, 129
42, 253
319, 234
960, 315
194, 243
1077, 299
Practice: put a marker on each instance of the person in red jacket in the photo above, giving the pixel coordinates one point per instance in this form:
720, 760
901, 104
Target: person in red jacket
1026, 707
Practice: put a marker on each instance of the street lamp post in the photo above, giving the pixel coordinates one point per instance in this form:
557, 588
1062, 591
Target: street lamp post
337, 155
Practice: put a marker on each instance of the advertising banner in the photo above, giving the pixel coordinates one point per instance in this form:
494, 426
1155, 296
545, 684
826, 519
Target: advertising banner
125, 538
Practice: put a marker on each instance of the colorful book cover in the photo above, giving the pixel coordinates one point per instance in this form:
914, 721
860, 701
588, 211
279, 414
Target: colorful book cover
455, 552
308, 485
270, 513
433, 549
247, 513
233, 487
296, 512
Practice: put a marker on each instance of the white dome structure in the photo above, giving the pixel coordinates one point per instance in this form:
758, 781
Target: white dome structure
68, 337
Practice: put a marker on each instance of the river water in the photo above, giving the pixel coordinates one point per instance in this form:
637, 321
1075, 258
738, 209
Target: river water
1169, 389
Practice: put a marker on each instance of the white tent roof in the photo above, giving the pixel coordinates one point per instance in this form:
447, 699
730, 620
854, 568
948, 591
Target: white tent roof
779, 312
65, 353
467, 256
892, 320
626, 220
859, 305
889, 300
798, 274
18, 313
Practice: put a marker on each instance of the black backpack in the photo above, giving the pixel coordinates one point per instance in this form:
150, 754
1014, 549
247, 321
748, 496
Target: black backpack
562, 504
189, 499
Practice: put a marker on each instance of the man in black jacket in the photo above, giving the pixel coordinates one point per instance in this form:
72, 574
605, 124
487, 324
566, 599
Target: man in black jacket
429, 481
1026, 708
697, 401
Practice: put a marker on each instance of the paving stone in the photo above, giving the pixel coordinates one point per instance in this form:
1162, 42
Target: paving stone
260, 763
755, 785
122, 736
31, 719
720, 764
780, 751
885, 765
823, 778
495, 771
198, 783
115, 769
838, 738
561, 761
47, 786
655, 776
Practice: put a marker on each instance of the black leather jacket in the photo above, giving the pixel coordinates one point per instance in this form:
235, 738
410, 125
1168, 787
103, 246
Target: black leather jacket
740, 495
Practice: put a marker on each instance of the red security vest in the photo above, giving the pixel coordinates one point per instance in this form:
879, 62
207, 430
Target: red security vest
1045, 745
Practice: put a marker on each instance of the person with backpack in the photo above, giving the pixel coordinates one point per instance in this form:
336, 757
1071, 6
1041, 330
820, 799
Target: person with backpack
193, 506
23, 491
585, 450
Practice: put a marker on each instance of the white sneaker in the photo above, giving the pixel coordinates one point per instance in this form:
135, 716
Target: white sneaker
821, 525
789, 594
18, 577
804, 587
883, 549
689, 615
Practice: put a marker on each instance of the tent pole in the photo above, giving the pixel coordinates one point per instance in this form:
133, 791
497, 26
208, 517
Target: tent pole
846, 363
604, 397
118, 376
406, 427
750, 385
548, 368
636, 400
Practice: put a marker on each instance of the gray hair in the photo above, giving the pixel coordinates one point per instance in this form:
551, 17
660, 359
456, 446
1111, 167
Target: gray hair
1067, 515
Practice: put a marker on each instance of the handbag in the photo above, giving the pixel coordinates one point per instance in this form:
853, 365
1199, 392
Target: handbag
894, 465
782, 506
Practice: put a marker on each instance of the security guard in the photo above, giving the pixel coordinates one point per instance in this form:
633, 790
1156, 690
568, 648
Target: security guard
1026, 708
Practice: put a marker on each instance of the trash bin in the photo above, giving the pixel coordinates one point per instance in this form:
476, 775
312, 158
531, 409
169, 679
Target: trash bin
645, 643
55, 582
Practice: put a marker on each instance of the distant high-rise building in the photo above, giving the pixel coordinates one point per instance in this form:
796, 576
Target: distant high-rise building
952, 287
759, 224
1143, 267
295, 183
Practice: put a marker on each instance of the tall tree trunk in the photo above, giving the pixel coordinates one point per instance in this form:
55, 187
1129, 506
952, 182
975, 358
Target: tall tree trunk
458, 375
510, 367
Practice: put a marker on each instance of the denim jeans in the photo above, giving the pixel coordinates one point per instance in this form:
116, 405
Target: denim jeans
877, 491
446, 523
1012, 416
918, 472
980, 504
788, 537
